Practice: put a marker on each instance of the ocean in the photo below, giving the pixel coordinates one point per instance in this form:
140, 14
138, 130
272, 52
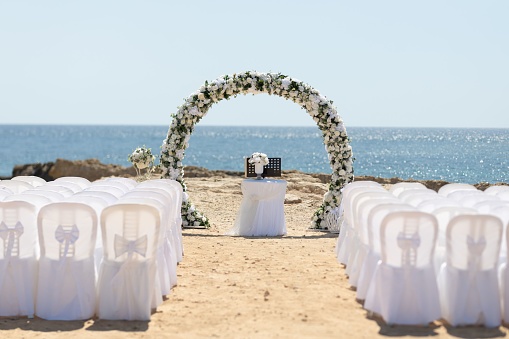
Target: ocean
452, 154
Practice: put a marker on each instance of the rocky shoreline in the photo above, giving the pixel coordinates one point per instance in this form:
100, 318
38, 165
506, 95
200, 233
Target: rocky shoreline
93, 169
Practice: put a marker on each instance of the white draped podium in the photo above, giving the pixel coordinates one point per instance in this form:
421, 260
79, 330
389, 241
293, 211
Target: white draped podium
261, 212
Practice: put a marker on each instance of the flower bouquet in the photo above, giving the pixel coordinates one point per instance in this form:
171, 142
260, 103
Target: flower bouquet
259, 160
141, 158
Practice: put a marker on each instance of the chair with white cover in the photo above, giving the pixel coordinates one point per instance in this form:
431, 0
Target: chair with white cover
18, 258
37, 200
363, 204
503, 195
16, 186
498, 208
495, 189
167, 248
82, 182
358, 240
444, 214
98, 203
345, 244
431, 205
128, 283
51, 195
116, 191
504, 279
340, 250
472, 200
73, 186
416, 196
376, 215
49, 187
131, 183
175, 187
453, 187
125, 187
468, 282
404, 289
31, 179
5, 192
399, 187
66, 283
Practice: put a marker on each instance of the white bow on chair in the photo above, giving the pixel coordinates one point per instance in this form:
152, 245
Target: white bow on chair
409, 244
9, 236
67, 237
122, 245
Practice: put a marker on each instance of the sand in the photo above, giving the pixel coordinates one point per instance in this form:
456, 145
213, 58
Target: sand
237, 287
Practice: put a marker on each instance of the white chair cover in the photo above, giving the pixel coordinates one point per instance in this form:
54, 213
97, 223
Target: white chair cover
504, 280
128, 282
167, 248
416, 196
404, 289
430, 205
174, 187
37, 200
52, 195
375, 217
400, 187
452, 187
5, 192
31, 179
66, 284
18, 258
52, 188
74, 187
82, 182
114, 190
341, 251
364, 203
469, 292
346, 233
359, 232
124, 187
494, 190
131, 183
16, 186
444, 215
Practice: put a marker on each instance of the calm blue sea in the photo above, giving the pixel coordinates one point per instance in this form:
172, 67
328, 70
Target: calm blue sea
455, 155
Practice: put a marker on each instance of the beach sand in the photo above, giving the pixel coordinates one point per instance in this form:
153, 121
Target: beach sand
237, 287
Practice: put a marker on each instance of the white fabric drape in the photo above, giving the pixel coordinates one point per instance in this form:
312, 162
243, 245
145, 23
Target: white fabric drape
261, 211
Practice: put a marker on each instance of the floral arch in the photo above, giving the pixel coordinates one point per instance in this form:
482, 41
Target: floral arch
319, 108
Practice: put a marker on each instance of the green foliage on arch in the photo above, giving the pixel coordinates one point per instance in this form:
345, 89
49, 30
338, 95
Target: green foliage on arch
319, 108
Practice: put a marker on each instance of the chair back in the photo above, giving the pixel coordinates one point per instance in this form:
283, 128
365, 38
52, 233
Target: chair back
408, 239
82, 182
130, 231
31, 179
16, 186
67, 230
473, 242
452, 187
399, 187
18, 230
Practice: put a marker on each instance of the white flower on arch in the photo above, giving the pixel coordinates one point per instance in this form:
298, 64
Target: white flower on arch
318, 106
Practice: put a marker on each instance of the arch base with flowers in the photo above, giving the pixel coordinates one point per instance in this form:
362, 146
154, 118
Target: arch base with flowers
318, 106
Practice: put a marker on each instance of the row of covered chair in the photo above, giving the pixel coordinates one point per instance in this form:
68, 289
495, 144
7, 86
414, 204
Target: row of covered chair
71, 249
415, 255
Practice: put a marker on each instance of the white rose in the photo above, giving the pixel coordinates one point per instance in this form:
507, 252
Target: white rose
201, 96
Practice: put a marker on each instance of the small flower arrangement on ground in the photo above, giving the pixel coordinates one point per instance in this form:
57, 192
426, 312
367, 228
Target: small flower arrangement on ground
259, 158
141, 158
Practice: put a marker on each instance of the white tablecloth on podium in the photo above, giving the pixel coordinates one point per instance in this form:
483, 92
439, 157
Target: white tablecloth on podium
261, 212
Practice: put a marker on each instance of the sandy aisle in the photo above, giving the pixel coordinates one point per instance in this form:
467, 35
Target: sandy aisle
235, 287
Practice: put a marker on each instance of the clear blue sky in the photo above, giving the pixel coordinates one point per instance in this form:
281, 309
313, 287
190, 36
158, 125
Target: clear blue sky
431, 63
